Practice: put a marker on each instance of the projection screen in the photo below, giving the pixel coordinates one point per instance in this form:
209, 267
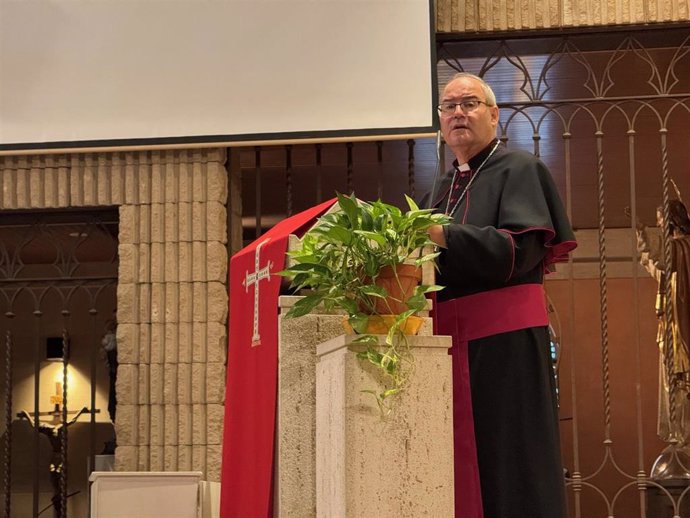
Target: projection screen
98, 73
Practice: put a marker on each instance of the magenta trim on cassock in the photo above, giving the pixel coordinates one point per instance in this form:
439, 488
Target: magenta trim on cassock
469, 318
557, 253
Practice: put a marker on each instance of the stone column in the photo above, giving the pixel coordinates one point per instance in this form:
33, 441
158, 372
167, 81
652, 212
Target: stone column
172, 309
296, 420
370, 466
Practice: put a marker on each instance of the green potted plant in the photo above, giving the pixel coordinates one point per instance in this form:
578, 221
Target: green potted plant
365, 259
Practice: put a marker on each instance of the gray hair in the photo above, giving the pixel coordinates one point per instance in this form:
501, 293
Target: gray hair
488, 92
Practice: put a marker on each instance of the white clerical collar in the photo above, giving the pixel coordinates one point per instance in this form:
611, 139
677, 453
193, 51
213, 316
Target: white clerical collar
464, 167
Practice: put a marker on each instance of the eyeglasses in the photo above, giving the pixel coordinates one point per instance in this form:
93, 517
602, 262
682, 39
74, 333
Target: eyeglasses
468, 106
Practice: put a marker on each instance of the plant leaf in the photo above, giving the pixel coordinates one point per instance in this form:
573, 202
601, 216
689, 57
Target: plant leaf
359, 322
389, 362
306, 267
366, 339
304, 306
349, 206
374, 236
349, 305
428, 288
367, 220
416, 302
371, 355
427, 258
375, 291
411, 203
340, 234
390, 392
402, 316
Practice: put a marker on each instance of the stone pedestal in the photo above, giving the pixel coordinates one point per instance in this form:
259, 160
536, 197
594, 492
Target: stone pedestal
369, 466
295, 476
295, 481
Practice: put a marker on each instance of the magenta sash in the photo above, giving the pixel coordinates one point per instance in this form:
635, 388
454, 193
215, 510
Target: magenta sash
469, 318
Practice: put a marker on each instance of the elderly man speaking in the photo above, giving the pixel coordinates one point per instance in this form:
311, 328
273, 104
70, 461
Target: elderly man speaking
508, 226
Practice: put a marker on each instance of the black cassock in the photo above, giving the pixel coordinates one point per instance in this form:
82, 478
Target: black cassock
507, 229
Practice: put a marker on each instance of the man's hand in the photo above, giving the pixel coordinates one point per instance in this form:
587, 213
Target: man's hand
437, 236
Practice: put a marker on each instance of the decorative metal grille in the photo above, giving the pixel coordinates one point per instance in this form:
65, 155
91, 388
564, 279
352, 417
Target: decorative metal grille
609, 114
58, 274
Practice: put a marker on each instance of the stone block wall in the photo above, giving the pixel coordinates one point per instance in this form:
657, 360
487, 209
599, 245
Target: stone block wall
172, 289
507, 15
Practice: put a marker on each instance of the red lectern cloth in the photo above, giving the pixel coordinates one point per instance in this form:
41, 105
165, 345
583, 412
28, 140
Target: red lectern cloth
252, 374
470, 318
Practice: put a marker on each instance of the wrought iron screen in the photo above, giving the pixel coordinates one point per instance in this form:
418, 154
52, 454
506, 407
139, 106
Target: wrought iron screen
58, 278
609, 114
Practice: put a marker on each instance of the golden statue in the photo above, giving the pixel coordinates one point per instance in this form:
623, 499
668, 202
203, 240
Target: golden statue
673, 389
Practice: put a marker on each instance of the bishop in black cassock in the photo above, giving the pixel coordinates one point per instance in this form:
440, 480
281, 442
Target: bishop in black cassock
508, 226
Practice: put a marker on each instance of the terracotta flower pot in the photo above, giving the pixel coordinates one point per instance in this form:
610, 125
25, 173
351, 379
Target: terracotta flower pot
399, 290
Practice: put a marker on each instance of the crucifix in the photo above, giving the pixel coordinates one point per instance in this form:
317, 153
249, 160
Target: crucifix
55, 432
254, 278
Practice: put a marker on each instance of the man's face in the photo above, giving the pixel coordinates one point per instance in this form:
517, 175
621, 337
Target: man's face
471, 132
